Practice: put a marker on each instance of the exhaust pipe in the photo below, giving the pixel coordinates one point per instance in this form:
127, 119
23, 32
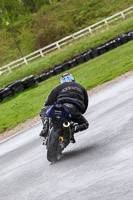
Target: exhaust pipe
66, 124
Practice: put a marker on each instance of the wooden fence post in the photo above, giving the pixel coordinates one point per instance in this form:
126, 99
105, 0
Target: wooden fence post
90, 30
25, 61
41, 53
57, 44
122, 14
9, 69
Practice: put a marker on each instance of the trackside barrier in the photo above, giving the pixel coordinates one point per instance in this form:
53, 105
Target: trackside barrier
58, 44
20, 85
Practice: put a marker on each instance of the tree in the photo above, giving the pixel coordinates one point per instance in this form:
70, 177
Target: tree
33, 5
30, 5
49, 1
11, 9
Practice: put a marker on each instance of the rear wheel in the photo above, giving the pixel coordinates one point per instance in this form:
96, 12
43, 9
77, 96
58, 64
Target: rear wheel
53, 146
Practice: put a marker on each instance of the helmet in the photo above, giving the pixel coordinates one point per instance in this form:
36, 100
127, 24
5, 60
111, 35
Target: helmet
67, 78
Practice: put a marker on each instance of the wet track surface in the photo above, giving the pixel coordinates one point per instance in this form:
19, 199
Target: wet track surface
98, 167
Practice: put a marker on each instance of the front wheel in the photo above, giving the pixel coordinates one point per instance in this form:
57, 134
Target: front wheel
53, 145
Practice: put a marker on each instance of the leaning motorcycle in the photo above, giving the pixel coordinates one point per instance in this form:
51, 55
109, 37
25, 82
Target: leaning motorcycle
59, 131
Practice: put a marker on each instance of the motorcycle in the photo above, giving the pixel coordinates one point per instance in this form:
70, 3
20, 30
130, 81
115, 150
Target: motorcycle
59, 133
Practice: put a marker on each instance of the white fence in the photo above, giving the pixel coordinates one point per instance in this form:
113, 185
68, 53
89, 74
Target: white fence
68, 39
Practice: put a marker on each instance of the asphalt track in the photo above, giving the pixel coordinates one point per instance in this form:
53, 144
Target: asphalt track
98, 167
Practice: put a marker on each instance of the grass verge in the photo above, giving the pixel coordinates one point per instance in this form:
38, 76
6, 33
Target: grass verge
27, 104
77, 47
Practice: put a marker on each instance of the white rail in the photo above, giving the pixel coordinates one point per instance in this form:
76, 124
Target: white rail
58, 44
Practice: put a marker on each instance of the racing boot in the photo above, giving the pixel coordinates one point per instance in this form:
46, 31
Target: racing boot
76, 128
72, 139
44, 132
80, 127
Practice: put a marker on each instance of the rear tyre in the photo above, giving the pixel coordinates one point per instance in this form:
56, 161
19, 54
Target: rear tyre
53, 146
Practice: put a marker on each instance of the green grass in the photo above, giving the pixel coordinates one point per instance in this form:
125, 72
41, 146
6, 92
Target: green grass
27, 104
67, 52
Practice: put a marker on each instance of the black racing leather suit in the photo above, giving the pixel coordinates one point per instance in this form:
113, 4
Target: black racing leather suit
74, 97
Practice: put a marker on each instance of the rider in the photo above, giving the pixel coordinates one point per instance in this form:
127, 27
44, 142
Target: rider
74, 98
